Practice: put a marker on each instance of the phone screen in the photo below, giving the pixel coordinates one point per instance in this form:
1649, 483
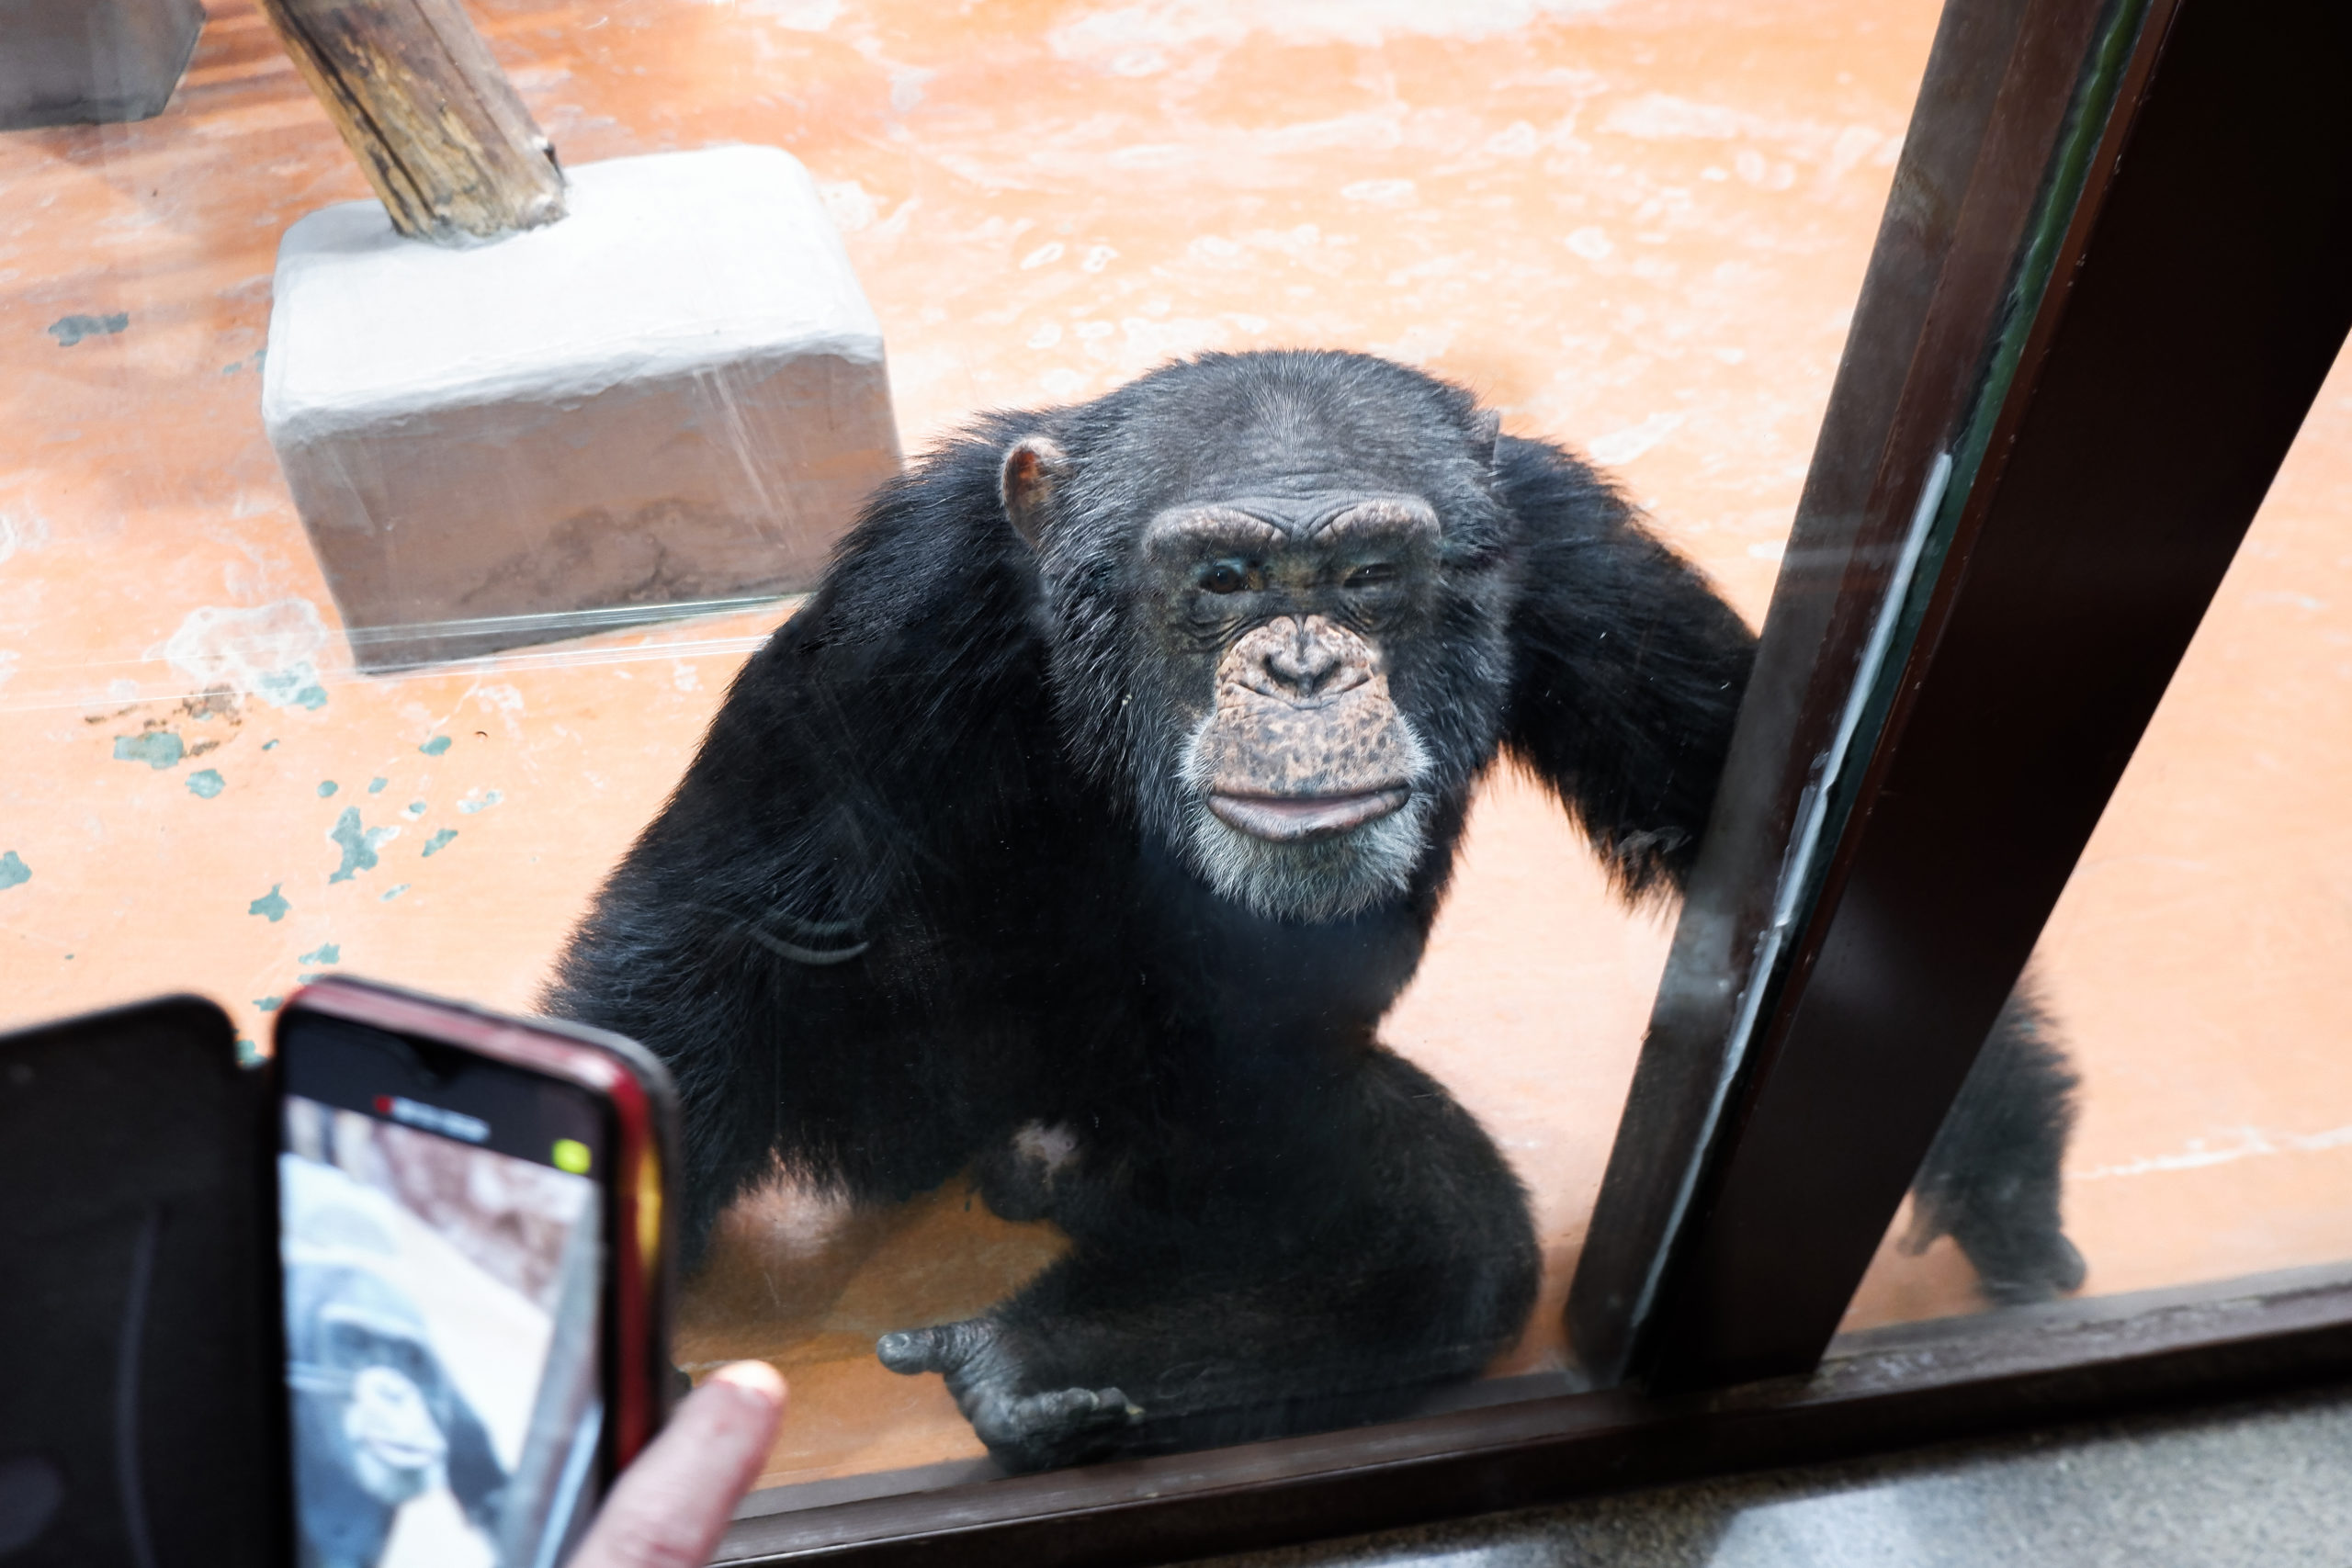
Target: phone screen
442, 1226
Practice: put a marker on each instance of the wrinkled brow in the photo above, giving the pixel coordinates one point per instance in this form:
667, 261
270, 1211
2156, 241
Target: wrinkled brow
1189, 532
1390, 517
1186, 532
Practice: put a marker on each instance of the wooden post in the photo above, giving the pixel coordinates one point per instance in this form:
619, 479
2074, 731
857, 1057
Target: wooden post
433, 122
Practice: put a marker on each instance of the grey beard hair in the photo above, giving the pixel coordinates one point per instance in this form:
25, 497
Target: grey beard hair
1312, 880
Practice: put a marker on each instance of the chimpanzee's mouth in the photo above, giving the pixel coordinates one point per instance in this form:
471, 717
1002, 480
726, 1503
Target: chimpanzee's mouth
1287, 817
402, 1455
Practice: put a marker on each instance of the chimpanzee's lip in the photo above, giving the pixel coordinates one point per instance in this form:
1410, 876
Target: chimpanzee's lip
404, 1455
1285, 818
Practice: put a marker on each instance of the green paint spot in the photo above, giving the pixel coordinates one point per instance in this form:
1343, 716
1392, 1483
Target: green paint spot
395, 893
471, 806
15, 873
433, 844
267, 1004
416, 808
359, 844
306, 980
248, 1054
312, 697
157, 748
328, 953
272, 903
205, 785
376, 786
269, 745
434, 747
327, 787
71, 330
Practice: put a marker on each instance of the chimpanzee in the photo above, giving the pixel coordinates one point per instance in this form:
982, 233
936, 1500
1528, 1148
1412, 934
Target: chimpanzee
1081, 828
377, 1420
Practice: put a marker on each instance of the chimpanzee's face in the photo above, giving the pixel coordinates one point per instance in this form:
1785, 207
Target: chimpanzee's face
1279, 620
397, 1447
1304, 784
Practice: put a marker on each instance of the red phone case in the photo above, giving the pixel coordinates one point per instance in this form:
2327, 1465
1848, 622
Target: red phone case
633, 1081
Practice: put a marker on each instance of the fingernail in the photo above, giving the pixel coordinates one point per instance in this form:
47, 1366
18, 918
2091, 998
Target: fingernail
754, 1378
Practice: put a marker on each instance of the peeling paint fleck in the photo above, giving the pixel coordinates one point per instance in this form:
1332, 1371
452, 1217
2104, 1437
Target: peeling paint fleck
71, 330
433, 844
327, 787
376, 786
205, 785
268, 650
434, 747
267, 1004
488, 799
158, 749
272, 903
393, 893
359, 844
328, 952
15, 871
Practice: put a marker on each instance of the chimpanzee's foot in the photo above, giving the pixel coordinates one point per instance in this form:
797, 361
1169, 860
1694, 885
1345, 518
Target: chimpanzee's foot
1024, 1427
1993, 1179
2015, 1269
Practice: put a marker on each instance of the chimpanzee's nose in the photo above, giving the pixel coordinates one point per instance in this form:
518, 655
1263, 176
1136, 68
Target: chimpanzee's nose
1308, 658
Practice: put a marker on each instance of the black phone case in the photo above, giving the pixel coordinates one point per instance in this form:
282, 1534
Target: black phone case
141, 1415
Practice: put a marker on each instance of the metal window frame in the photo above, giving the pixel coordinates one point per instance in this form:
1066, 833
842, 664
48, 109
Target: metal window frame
2116, 268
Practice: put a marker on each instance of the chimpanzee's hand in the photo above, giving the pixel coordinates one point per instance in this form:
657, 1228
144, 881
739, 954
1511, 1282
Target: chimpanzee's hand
670, 1507
1024, 1427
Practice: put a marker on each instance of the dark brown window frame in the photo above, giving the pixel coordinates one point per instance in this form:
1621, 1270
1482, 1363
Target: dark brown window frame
1889, 1388
2173, 171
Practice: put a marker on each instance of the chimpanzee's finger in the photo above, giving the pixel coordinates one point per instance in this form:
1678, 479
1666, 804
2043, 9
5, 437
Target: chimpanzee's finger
943, 1348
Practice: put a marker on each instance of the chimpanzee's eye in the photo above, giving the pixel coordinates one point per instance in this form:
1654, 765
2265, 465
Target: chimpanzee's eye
1375, 574
1226, 577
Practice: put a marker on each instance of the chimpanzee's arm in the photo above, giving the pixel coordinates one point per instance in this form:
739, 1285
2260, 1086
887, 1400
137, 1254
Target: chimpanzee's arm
769, 935
476, 1478
1630, 669
1629, 676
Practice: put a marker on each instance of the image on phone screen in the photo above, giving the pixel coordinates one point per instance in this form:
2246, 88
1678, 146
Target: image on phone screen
444, 1258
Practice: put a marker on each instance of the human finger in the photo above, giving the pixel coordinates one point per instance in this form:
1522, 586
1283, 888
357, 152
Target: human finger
670, 1507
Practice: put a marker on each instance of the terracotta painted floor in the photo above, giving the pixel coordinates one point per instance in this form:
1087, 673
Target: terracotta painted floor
1637, 225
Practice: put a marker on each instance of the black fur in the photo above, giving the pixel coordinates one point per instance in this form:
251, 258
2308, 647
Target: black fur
920, 891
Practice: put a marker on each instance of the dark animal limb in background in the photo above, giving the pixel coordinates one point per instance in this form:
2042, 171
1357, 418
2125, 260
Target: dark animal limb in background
1128, 746
1991, 1179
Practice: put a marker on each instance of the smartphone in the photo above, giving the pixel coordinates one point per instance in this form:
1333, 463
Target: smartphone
476, 1251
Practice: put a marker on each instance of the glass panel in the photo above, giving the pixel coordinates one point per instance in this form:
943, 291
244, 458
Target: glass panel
269, 715
2199, 963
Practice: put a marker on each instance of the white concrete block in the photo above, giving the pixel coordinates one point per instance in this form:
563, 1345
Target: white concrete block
675, 394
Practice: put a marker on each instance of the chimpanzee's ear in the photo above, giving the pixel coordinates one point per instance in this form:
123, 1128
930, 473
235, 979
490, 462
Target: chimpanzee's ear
1032, 467
1486, 429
